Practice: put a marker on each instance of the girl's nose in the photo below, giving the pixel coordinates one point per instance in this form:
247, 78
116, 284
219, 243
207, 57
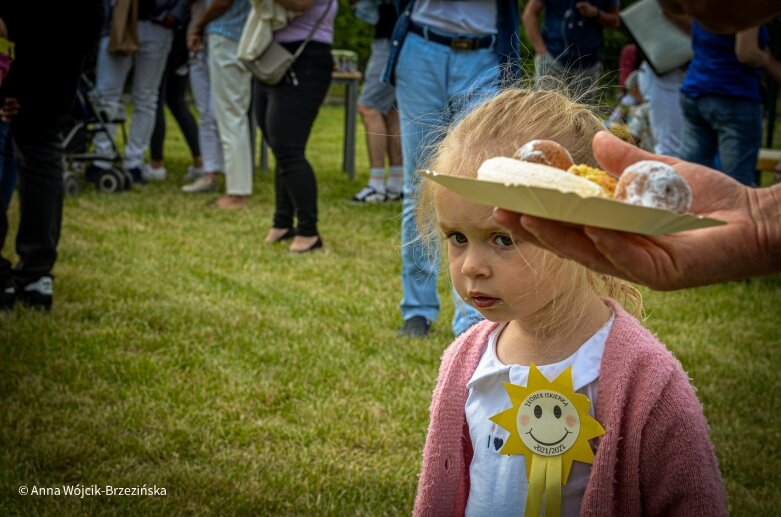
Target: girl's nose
475, 265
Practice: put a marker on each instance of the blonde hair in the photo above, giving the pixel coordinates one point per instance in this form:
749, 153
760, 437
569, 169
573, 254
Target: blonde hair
498, 127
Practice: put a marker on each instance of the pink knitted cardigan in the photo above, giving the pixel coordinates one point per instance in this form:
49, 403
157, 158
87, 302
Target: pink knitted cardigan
655, 457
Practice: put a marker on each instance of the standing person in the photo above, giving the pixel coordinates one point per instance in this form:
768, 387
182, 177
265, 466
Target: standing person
297, 97
444, 54
156, 21
208, 134
173, 93
546, 311
569, 46
377, 108
662, 93
223, 21
721, 100
43, 78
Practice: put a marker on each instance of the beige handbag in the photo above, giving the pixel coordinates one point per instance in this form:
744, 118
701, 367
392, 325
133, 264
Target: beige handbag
123, 38
274, 62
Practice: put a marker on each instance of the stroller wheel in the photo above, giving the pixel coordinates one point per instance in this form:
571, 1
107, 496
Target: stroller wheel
109, 180
71, 184
127, 178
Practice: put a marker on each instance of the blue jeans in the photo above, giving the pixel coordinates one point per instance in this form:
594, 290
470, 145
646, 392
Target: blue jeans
113, 71
725, 126
434, 84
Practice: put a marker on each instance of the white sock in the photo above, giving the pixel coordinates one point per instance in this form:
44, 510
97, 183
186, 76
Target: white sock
395, 178
377, 179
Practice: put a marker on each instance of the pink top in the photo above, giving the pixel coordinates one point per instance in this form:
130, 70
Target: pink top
298, 29
655, 457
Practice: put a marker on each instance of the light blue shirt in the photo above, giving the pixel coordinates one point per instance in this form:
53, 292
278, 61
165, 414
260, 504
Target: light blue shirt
231, 23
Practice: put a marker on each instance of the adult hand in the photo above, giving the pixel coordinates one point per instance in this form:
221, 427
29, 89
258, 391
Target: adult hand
748, 245
195, 40
587, 10
170, 21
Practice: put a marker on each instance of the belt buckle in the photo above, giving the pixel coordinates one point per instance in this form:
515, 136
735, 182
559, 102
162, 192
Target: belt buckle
462, 44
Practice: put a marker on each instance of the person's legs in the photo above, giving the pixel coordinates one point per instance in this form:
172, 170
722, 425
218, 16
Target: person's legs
37, 133
176, 99
664, 106
375, 102
284, 210
149, 63
111, 74
156, 151
232, 91
376, 143
738, 124
421, 78
395, 182
300, 102
700, 143
208, 136
374, 124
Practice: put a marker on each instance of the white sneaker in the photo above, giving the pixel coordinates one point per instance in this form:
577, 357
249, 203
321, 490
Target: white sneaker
369, 195
150, 173
202, 184
193, 173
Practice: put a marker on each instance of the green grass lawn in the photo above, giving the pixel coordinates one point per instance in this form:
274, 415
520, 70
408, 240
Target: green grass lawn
182, 352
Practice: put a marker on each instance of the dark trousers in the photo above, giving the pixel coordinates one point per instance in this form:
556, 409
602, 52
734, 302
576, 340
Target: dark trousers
43, 77
173, 93
285, 113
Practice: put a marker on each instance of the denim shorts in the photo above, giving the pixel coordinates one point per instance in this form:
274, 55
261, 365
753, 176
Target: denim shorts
375, 94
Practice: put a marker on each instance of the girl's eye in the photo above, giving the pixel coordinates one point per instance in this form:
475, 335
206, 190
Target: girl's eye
456, 238
505, 241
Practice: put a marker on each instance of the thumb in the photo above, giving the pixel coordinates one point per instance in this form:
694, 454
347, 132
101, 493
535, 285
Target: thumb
614, 155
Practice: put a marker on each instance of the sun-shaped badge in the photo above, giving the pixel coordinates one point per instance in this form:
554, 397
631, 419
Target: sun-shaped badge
549, 424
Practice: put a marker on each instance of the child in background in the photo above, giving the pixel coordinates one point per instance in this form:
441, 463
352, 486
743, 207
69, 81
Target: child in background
655, 457
638, 120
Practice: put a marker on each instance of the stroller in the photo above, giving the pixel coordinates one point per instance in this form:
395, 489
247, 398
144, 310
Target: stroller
90, 117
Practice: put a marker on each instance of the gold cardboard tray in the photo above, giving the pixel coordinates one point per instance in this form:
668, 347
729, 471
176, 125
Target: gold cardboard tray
570, 207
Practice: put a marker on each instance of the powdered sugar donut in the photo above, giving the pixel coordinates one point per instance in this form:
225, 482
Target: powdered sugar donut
546, 152
654, 184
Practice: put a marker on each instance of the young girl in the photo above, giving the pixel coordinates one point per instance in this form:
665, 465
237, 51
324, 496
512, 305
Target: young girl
655, 457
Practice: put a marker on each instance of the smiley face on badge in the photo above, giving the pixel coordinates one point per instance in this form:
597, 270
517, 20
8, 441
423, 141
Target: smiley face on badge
548, 423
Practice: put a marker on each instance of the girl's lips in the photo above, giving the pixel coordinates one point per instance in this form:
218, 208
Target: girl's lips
484, 302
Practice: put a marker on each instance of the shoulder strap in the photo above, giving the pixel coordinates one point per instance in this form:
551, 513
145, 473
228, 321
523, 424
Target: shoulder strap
312, 32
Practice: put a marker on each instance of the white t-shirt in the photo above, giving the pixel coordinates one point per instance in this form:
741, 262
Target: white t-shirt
497, 483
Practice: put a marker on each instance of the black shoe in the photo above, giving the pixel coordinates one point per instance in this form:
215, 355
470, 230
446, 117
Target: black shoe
316, 245
7, 295
137, 175
416, 326
289, 234
38, 294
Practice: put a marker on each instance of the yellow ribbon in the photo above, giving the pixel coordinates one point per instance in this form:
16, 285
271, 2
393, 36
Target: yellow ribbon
545, 478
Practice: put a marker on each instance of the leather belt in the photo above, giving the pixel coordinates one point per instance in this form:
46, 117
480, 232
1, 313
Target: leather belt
457, 43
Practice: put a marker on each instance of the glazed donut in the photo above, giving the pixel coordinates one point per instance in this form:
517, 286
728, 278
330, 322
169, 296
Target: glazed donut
546, 152
654, 184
